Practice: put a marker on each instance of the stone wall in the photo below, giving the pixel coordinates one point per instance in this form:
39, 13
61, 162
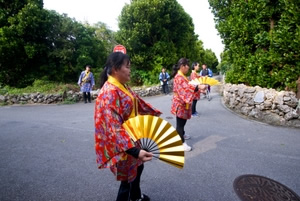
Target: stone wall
70, 96
266, 105
151, 91
39, 98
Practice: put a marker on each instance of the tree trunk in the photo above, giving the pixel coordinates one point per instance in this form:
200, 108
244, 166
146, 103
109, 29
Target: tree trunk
272, 24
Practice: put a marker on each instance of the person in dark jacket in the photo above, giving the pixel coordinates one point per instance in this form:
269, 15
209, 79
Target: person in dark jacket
86, 82
164, 78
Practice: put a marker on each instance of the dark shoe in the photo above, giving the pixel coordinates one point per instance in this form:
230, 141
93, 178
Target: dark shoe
143, 198
196, 113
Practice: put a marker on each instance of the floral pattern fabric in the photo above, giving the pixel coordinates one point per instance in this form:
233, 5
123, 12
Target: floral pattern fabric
193, 76
183, 97
113, 107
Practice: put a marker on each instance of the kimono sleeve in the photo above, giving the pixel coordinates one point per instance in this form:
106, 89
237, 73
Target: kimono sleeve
210, 73
80, 78
184, 90
160, 77
111, 139
145, 108
168, 76
92, 79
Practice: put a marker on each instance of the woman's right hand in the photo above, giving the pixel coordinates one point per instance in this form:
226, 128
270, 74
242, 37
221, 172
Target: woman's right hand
202, 87
145, 156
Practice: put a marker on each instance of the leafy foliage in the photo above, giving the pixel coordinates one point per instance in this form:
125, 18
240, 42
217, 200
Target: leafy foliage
211, 60
36, 43
39, 44
225, 64
42, 86
156, 34
73, 45
22, 43
105, 35
262, 40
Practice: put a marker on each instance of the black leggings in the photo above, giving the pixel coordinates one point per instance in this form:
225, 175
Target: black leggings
131, 191
165, 88
180, 123
86, 95
194, 106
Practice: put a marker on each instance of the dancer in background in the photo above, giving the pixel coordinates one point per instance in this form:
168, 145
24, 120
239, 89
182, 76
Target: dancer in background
194, 75
184, 94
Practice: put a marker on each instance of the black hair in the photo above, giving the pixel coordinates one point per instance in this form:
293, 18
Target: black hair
88, 66
176, 67
194, 64
115, 60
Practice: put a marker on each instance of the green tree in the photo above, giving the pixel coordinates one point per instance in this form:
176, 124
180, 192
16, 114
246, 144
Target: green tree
156, 33
11, 8
225, 64
262, 40
198, 53
22, 44
106, 36
211, 60
73, 45
36, 43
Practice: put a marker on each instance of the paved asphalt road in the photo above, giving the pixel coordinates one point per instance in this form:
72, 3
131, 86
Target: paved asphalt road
47, 153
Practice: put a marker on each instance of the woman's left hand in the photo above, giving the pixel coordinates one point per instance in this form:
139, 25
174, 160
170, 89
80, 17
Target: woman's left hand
202, 87
145, 156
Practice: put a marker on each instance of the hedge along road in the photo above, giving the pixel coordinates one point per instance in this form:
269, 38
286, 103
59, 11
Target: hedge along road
47, 153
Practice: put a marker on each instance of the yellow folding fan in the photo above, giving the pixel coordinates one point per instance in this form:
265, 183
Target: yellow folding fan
208, 80
205, 80
158, 136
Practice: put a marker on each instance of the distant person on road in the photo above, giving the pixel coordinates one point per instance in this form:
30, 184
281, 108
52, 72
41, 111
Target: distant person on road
164, 77
184, 94
86, 82
115, 104
194, 75
206, 72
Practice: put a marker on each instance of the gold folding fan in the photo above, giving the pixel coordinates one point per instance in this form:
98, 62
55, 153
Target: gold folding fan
205, 80
208, 80
153, 134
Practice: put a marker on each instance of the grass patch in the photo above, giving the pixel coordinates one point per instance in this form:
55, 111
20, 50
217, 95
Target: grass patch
3, 104
69, 101
42, 86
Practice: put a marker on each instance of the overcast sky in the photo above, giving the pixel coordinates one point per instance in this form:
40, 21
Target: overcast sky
107, 11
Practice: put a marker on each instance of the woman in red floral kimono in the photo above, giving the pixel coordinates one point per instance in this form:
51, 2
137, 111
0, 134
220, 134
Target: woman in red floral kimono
194, 75
184, 94
114, 149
